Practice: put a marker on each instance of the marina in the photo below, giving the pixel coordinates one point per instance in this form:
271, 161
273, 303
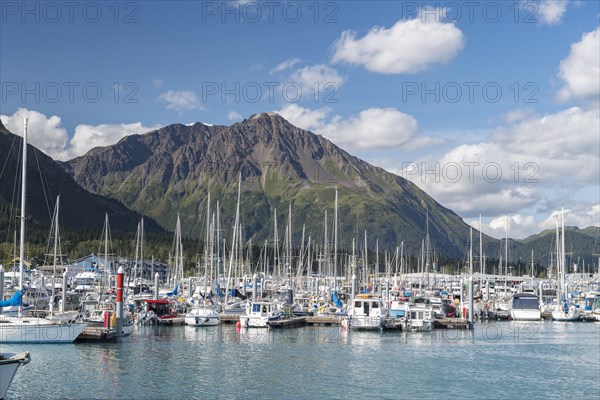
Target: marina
492, 361
246, 199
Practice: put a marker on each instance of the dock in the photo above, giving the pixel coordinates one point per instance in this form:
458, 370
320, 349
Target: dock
229, 318
323, 320
450, 323
293, 322
97, 334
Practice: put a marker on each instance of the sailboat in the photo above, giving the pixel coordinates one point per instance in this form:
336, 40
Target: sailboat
564, 311
201, 315
26, 329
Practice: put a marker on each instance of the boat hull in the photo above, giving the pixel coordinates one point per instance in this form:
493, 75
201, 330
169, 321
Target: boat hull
9, 364
561, 316
526, 315
33, 330
202, 318
362, 323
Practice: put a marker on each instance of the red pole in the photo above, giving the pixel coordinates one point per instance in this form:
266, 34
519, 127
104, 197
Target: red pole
120, 275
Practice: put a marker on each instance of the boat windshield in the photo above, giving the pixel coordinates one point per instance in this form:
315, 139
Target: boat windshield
525, 303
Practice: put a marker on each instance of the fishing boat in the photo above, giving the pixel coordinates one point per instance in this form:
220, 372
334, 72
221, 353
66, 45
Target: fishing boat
420, 316
159, 311
525, 307
9, 364
365, 312
105, 316
259, 314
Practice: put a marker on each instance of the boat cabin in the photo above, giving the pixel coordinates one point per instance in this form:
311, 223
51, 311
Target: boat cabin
162, 308
366, 306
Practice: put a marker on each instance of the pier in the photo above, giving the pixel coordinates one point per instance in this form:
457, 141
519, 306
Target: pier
450, 323
97, 334
293, 322
229, 318
323, 320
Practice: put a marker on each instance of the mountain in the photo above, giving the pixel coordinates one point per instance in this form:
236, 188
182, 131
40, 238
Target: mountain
170, 170
80, 210
580, 245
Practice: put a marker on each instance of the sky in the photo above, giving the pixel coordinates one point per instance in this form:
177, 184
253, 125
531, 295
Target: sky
491, 107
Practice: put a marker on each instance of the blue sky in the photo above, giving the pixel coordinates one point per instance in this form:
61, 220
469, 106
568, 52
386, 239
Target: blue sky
497, 100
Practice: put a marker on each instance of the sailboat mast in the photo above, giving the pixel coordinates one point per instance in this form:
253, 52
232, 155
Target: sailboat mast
335, 239
106, 271
471, 275
23, 192
55, 252
206, 243
563, 260
480, 254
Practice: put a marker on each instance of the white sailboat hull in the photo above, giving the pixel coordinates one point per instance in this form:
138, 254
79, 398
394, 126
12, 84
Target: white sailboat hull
561, 316
526, 315
9, 364
38, 330
201, 317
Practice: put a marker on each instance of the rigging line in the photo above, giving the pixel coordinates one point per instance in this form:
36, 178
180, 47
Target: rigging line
44, 183
16, 188
8, 155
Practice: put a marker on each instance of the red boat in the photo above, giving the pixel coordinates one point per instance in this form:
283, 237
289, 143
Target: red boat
163, 312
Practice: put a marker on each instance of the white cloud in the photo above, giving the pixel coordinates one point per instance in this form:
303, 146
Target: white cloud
516, 115
311, 120
317, 78
519, 226
47, 134
287, 64
407, 47
580, 71
234, 116
530, 166
374, 128
581, 215
87, 137
181, 100
552, 11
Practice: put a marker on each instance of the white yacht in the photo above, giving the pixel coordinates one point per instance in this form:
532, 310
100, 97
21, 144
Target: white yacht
525, 307
420, 316
259, 314
365, 312
202, 316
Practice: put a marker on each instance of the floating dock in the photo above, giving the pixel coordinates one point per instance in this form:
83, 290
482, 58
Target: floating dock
97, 334
229, 318
293, 322
450, 323
323, 320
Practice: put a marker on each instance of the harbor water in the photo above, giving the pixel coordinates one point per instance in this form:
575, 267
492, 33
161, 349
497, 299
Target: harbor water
497, 360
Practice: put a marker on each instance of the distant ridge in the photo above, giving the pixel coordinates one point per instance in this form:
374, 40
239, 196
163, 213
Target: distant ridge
79, 209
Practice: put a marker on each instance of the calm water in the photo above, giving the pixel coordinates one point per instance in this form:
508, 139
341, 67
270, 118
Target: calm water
496, 361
